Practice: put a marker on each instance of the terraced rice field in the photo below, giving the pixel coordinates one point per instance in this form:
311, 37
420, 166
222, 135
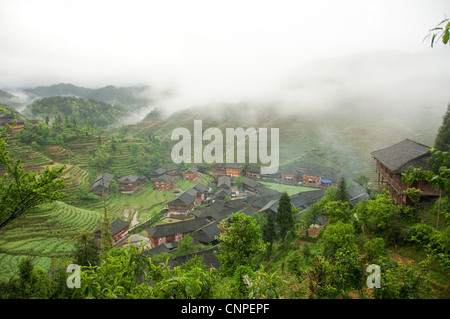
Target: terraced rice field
45, 234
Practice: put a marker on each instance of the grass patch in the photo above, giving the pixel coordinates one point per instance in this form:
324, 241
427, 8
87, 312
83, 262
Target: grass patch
290, 189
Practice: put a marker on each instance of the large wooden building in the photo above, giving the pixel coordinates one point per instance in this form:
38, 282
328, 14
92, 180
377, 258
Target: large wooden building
102, 184
228, 169
163, 183
174, 232
394, 160
128, 184
119, 231
190, 174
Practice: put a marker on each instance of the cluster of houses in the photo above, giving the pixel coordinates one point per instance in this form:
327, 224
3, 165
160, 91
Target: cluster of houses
201, 222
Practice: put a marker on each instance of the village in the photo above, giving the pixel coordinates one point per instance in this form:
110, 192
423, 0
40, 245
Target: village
198, 210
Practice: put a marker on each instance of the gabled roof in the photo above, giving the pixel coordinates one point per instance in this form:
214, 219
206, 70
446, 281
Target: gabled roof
224, 181
186, 226
200, 188
254, 169
207, 234
192, 170
116, 226
172, 168
306, 199
184, 199
400, 156
223, 193
163, 178
250, 182
208, 255
103, 180
128, 179
159, 171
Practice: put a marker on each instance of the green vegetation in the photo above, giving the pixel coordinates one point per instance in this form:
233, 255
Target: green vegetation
289, 189
76, 111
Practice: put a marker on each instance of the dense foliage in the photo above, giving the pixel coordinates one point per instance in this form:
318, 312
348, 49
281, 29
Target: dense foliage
77, 110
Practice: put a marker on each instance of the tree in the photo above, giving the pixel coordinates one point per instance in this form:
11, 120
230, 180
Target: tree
268, 231
86, 250
339, 237
338, 211
21, 191
342, 193
377, 214
240, 240
440, 32
106, 242
440, 180
285, 217
238, 181
441, 143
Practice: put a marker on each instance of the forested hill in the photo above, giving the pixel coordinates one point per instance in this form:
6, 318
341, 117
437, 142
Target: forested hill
127, 97
77, 110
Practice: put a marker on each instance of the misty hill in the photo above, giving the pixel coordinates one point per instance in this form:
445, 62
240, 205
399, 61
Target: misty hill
340, 137
77, 110
127, 97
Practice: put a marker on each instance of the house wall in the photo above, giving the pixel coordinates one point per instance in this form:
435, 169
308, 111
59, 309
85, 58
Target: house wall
253, 175
189, 176
233, 171
397, 187
311, 180
163, 186
180, 209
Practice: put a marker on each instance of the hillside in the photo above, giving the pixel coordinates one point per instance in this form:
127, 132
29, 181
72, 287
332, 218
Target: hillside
128, 97
341, 137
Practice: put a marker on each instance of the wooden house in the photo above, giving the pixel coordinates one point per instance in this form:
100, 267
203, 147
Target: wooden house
250, 185
289, 176
202, 193
182, 204
142, 180
102, 184
173, 170
128, 184
394, 160
311, 180
227, 169
174, 232
163, 183
190, 174
157, 173
224, 182
119, 230
253, 172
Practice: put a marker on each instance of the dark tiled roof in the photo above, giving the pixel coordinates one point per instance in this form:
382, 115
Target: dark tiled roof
207, 234
223, 193
399, 156
254, 169
192, 170
224, 181
200, 188
306, 199
250, 182
184, 199
103, 181
116, 226
128, 179
163, 178
186, 226
208, 255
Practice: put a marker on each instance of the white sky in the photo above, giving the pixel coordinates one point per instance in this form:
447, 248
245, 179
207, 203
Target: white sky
207, 49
